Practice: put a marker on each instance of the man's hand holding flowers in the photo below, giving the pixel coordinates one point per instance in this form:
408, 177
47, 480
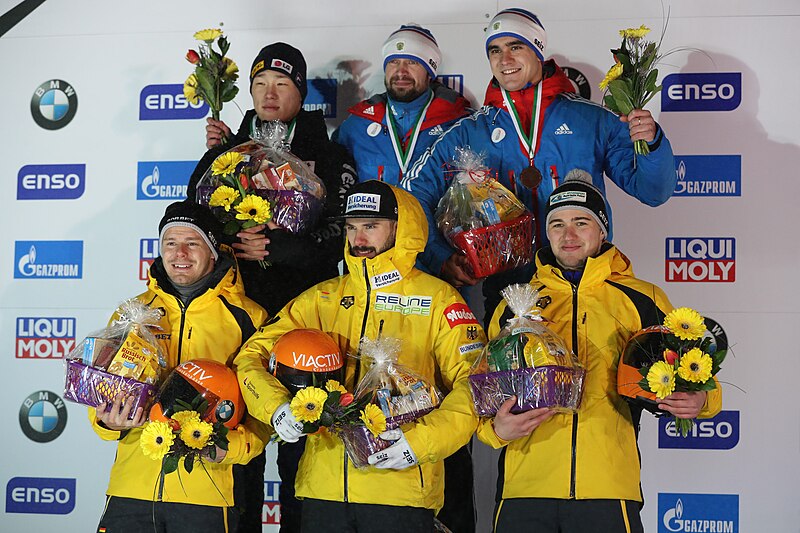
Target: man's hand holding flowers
286, 425
684, 404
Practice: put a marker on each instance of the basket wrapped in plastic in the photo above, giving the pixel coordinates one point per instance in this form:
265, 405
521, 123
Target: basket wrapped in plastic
266, 168
401, 394
483, 219
526, 360
123, 358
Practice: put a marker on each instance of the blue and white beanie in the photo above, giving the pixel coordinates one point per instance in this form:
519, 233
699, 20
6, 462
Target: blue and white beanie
519, 23
412, 41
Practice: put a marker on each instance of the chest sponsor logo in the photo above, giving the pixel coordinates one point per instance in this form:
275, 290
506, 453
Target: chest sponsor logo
148, 252
696, 91
167, 102
163, 180
458, 314
543, 302
384, 280
467, 348
704, 513
472, 333
708, 175
40, 495
405, 305
701, 259
718, 433
347, 301
51, 182
54, 104
48, 259
321, 96
44, 337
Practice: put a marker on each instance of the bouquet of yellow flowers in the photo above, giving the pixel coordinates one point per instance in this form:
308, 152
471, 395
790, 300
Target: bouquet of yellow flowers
632, 81
676, 356
214, 77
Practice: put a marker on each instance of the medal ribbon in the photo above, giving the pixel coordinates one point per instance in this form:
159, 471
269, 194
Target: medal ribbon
529, 142
404, 156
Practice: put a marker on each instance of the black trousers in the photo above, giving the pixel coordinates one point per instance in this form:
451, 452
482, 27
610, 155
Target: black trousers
548, 515
127, 515
248, 493
458, 513
320, 516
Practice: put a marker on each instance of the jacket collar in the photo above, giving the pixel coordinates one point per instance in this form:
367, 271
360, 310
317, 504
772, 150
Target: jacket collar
554, 82
447, 105
610, 262
224, 278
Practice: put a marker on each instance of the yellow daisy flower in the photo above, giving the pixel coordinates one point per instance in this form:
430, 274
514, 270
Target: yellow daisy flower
661, 379
184, 417
190, 89
226, 163
307, 404
634, 33
695, 366
156, 440
254, 208
231, 69
208, 35
613, 73
685, 323
196, 433
373, 418
223, 196
332, 385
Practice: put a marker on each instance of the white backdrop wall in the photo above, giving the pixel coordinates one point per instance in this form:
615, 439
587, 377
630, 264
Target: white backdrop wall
739, 473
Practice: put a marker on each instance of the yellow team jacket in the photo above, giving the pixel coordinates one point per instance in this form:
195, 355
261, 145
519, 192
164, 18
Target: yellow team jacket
593, 453
213, 326
441, 338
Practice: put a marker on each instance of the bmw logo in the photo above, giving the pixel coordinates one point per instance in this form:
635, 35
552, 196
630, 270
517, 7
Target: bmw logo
225, 410
54, 104
43, 416
579, 81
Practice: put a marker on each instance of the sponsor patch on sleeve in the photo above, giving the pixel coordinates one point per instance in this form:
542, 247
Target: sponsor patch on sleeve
472, 347
458, 314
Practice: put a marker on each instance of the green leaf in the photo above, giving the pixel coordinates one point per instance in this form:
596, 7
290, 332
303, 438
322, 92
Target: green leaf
231, 228
188, 463
212, 452
708, 385
326, 419
644, 385
627, 67
619, 91
170, 464
650, 81
229, 91
611, 103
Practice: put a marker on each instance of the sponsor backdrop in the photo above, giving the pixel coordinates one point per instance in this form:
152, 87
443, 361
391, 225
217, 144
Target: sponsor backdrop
99, 140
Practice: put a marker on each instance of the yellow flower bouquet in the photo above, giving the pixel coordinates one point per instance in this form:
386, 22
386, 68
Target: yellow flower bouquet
214, 77
632, 81
676, 356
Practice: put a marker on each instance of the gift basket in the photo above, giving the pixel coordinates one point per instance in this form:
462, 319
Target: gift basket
123, 358
526, 360
483, 219
393, 393
263, 167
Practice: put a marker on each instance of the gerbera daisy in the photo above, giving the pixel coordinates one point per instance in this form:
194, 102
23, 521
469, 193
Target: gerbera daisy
613, 73
185, 416
332, 385
195, 433
661, 379
634, 33
190, 89
223, 196
373, 418
231, 68
253, 208
208, 35
156, 440
685, 323
695, 366
226, 163
307, 404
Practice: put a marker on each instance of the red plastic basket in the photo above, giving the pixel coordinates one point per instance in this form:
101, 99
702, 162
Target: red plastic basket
499, 247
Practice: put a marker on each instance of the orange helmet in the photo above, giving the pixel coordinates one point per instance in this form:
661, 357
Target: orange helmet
643, 349
214, 381
305, 357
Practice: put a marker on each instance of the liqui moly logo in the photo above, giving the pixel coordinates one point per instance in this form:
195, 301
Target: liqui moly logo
708, 259
44, 337
458, 314
271, 512
148, 252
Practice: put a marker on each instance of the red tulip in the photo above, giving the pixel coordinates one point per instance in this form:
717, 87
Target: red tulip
346, 399
670, 356
192, 57
174, 424
243, 180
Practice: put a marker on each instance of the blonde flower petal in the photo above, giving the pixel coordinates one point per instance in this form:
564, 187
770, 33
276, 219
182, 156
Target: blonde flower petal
613, 73
156, 440
307, 404
223, 196
196, 433
231, 69
332, 385
226, 163
634, 33
254, 208
185, 416
695, 366
373, 419
661, 379
190, 89
685, 323
208, 35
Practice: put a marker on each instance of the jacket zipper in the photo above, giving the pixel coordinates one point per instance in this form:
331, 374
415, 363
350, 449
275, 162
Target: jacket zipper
573, 458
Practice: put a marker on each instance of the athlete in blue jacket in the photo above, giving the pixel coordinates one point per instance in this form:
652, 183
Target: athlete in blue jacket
389, 131
570, 133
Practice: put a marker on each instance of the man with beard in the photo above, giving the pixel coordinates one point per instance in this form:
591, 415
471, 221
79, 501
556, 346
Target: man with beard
534, 130
389, 131
278, 87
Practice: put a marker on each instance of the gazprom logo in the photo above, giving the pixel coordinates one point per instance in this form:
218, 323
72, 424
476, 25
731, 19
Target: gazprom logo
167, 102
717, 91
163, 180
718, 513
40, 495
51, 182
321, 95
453, 81
701, 259
148, 252
718, 433
48, 259
708, 175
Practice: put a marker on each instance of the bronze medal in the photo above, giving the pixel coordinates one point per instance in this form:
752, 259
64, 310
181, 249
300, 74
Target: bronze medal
530, 177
